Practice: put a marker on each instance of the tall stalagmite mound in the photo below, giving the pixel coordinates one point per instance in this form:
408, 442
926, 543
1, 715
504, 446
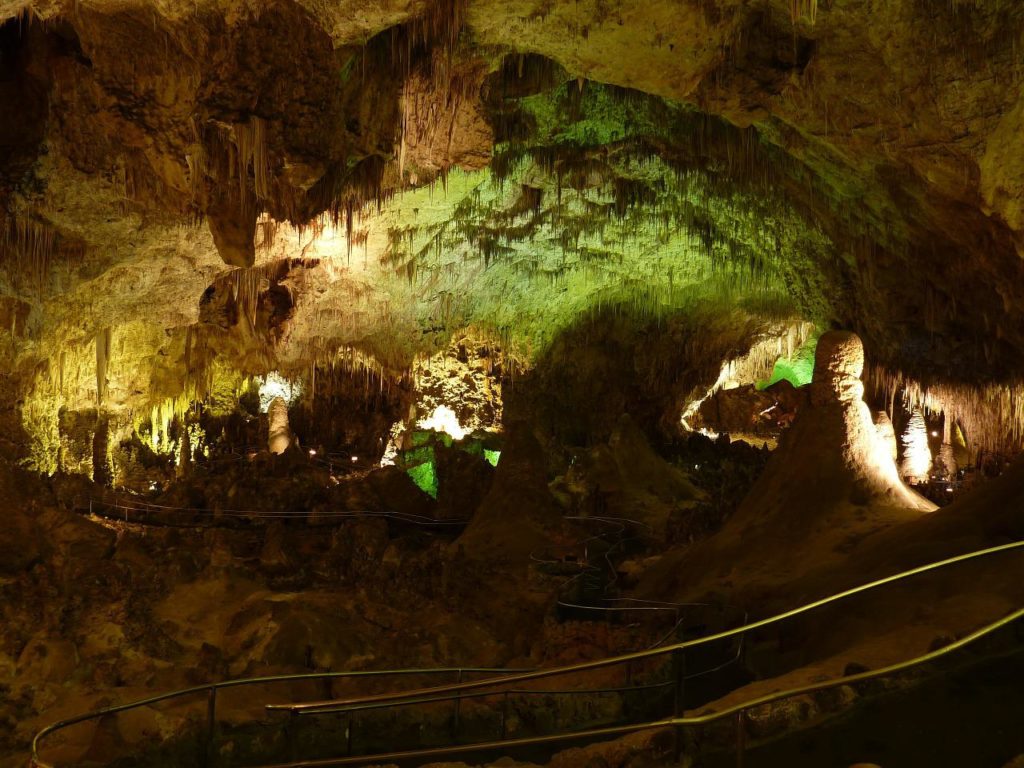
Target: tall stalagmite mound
834, 458
831, 483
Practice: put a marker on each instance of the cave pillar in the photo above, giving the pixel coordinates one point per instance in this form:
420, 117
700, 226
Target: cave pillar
280, 434
917, 455
101, 474
887, 434
184, 453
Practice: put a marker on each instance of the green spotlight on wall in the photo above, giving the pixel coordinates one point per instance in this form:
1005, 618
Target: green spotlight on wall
425, 476
797, 370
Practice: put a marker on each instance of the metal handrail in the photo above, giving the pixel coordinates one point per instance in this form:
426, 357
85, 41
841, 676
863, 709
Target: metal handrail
255, 514
211, 688
739, 710
516, 676
665, 649
484, 694
586, 569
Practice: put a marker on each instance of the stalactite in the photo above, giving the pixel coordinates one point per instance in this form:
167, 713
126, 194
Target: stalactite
251, 153
799, 9
103, 342
29, 248
991, 416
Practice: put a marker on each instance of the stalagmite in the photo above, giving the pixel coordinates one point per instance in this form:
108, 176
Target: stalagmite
917, 457
886, 433
184, 454
280, 435
838, 395
834, 459
945, 463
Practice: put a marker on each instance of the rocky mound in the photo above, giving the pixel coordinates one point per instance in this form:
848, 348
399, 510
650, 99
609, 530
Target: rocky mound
832, 482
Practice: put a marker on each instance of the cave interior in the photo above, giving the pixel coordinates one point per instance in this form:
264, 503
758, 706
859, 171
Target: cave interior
605, 383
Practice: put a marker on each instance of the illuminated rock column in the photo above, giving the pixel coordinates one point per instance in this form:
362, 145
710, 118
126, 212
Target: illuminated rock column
866, 447
886, 434
917, 457
280, 436
184, 454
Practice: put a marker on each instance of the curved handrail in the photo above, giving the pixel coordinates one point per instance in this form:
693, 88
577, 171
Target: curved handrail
708, 717
198, 689
516, 676
145, 507
516, 691
645, 654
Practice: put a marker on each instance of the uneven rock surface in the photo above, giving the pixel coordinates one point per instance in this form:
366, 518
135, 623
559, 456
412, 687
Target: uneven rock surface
101, 613
233, 224
831, 482
836, 436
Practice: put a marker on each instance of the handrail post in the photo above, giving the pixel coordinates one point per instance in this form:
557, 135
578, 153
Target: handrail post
291, 735
458, 707
211, 724
504, 717
741, 736
328, 687
742, 651
678, 693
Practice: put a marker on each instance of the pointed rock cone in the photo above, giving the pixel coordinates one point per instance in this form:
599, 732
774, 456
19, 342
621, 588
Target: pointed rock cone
833, 458
831, 483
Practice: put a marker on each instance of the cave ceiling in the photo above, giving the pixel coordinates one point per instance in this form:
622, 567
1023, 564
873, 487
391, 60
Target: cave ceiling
259, 185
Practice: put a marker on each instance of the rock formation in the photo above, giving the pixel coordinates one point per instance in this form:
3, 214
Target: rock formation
832, 482
279, 434
833, 457
917, 457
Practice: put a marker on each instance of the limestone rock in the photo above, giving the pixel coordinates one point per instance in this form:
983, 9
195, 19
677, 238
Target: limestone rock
76, 539
838, 439
280, 435
886, 433
398, 493
20, 544
52, 660
463, 482
519, 512
838, 365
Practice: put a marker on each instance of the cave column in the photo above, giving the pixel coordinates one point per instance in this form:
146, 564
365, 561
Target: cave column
280, 433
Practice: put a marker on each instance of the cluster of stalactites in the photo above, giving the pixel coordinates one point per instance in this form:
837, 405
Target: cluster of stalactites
161, 416
29, 248
757, 364
990, 416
